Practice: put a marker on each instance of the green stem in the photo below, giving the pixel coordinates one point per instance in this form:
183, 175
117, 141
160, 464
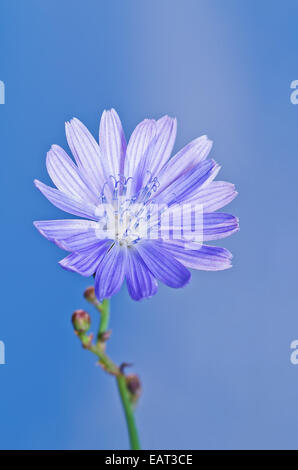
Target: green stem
129, 414
104, 359
104, 309
99, 350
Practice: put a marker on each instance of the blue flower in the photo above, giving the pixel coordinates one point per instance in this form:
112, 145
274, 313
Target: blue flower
143, 215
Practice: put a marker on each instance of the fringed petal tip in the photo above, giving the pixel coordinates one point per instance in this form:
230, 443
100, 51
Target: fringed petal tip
37, 225
36, 183
224, 265
73, 120
144, 296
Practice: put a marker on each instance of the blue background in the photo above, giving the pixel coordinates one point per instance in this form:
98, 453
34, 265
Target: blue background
214, 358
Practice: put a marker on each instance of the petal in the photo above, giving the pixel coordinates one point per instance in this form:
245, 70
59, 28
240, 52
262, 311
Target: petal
188, 184
112, 142
159, 150
214, 196
140, 282
72, 235
85, 263
66, 176
188, 157
138, 143
82, 241
110, 273
189, 223
61, 229
162, 265
86, 153
164, 143
218, 225
67, 203
207, 258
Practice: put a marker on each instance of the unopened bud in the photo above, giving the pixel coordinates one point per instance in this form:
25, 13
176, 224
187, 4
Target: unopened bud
89, 294
81, 321
134, 386
105, 336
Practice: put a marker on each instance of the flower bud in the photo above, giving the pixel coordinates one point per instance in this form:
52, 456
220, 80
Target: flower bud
134, 386
89, 294
103, 337
81, 321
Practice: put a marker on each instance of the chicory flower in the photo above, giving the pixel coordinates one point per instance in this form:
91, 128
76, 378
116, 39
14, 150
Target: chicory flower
143, 216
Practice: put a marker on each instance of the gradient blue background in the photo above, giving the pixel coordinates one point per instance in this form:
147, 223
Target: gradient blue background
214, 358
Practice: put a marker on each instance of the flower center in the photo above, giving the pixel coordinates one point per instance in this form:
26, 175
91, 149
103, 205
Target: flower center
125, 212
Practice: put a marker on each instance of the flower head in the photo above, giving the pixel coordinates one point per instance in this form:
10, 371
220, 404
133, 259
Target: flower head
81, 321
143, 215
